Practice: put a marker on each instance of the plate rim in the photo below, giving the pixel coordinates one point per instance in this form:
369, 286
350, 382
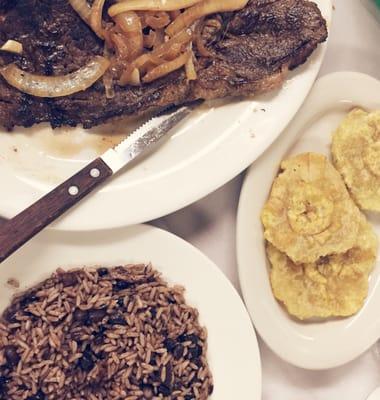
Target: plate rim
339, 78
143, 236
83, 220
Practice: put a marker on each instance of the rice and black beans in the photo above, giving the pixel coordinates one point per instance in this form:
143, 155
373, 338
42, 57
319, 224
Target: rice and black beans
92, 334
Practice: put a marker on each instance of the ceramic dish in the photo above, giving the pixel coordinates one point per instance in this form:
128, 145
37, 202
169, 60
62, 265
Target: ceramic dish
233, 351
187, 167
317, 345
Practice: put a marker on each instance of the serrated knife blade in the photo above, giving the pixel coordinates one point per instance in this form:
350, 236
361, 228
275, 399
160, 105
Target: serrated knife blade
18, 230
145, 136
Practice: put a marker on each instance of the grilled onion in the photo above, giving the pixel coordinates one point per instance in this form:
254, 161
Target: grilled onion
96, 17
143, 55
82, 8
55, 86
140, 63
160, 55
108, 79
182, 38
150, 5
121, 46
199, 10
157, 20
167, 67
191, 73
174, 14
134, 78
150, 39
130, 24
198, 40
12, 46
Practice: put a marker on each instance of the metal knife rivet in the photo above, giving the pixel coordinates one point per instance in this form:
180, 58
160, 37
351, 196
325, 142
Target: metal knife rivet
95, 173
73, 190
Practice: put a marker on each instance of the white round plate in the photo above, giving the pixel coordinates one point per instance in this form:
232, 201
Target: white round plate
318, 345
216, 144
233, 351
375, 395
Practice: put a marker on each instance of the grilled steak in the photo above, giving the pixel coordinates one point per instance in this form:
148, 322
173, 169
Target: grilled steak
250, 50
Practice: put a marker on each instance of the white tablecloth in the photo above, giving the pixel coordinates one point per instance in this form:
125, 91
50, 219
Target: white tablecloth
210, 225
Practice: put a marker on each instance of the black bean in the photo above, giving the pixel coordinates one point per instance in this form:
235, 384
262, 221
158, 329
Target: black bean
121, 285
197, 362
95, 386
134, 381
120, 302
195, 352
102, 355
31, 316
183, 338
193, 338
102, 271
169, 375
147, 390
99, 335
155, 376
40, 395
188, 338
3, 384
80, 316
117, 320
28, 299
101, 331
98, 340
142, 310
153, 359
210, 389
153, 312
10, 315
3, 380
96, 315
68, 279
86, 362
170, 344
178, 351
11, 355
189, 397
164, 390
88, 351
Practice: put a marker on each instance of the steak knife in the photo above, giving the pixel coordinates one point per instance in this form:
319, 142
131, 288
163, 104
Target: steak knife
17, 231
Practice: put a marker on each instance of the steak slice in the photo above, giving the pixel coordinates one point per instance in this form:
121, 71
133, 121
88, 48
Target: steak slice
251, 52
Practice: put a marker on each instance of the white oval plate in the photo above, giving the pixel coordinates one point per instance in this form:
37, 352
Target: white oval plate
233, 351
308, 345
215, 145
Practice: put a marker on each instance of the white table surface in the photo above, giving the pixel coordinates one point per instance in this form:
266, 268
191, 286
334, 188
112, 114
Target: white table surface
210, 225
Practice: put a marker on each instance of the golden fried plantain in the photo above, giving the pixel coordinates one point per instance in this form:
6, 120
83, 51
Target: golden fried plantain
309, 213
334, 286
356, 155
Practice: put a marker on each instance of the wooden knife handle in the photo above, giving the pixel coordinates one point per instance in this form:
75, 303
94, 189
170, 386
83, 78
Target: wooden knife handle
18, 230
